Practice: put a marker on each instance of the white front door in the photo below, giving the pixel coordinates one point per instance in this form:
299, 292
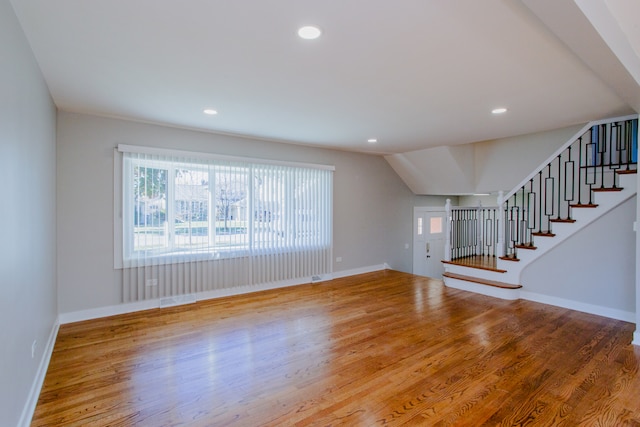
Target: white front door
428, 242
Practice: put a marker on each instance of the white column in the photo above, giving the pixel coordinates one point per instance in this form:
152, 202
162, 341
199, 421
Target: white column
500, 225
447, 239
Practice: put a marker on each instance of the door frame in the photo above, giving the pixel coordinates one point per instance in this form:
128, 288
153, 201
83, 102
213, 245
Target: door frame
421, 209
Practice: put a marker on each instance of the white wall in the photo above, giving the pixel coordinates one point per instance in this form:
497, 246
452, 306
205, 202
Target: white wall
485, 200
438, 170
595, 266
28, 309
502, 164
372, 206
481, 167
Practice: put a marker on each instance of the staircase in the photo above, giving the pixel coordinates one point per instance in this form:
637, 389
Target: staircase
487, 248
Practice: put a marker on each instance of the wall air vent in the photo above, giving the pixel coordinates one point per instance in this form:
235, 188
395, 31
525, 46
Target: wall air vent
177, 300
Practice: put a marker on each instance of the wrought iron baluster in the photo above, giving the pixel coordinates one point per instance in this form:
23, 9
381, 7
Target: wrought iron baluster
612, 164
559, 186
531, 207
602, 148
569, 188
580, 171
591, 169
549, 200
540, 200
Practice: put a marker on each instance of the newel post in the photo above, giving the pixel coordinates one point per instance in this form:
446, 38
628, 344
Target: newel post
500, 224
447, 239
479, 228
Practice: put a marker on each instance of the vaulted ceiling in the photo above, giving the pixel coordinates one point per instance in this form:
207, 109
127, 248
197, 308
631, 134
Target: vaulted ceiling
412, 74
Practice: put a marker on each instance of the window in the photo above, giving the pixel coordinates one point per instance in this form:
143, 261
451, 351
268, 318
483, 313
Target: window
435, 225
176, 207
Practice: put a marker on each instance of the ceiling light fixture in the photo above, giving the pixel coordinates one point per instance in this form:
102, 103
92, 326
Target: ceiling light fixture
372, 140
309, 32
210, 111
499, 111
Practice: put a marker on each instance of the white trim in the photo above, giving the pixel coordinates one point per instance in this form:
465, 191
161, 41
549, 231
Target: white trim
96, 313
598, 310
123, 148
362, 270
34, 393
117, 210
430, 208
636, 338
111, 310
514, 294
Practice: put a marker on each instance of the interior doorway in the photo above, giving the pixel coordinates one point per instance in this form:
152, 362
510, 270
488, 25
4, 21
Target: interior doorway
429, 229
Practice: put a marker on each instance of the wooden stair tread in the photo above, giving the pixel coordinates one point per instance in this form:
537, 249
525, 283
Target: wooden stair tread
479, 262
605, 190
627, 172
584, 205
509, 258
565, 220
488, 282
527, 246
543, 234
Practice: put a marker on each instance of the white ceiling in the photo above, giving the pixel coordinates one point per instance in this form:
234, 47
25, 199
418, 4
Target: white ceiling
411, 73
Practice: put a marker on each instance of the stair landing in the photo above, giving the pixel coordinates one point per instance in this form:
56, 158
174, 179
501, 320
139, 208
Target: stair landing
482, 262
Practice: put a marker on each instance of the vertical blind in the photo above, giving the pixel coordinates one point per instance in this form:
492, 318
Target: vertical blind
197, 222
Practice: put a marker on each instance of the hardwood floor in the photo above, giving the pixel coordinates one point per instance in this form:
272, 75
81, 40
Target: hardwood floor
383, 348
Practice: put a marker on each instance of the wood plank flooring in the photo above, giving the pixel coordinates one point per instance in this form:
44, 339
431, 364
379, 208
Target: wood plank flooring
383, 348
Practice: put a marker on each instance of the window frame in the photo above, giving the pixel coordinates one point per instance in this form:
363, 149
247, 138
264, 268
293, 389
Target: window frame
123, 212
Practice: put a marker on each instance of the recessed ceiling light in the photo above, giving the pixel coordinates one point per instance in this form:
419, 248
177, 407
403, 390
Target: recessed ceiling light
210, 111
499, 110
309, 32
372, 140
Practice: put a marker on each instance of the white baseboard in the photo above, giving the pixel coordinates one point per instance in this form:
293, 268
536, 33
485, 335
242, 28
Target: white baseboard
598, 310
95, 313
362, 270
111, 310
36, 386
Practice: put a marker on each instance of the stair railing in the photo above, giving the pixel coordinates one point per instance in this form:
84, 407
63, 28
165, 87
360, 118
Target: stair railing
590, 161
471, 231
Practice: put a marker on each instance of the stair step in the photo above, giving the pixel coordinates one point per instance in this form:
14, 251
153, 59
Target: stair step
605, 190
564, 220
543, 234
479, 262
509, 258
526, 246
584, 205
626, 171
488, 282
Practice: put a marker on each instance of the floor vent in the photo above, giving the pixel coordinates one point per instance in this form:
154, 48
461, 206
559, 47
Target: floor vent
318, 278
177, 300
